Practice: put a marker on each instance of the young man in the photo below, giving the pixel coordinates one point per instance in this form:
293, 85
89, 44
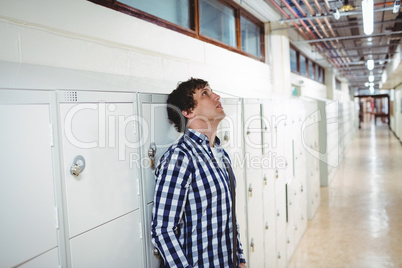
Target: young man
192, 216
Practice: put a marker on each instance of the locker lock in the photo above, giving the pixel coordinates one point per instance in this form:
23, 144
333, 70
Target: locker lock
151, 154
156, 252
250, 190
265, 179
226, 137
276, 174
252, 244
266, 226
78, 166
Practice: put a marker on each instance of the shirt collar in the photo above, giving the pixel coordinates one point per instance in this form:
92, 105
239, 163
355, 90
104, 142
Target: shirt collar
200, 138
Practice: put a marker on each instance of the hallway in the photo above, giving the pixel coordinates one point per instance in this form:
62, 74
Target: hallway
359, 221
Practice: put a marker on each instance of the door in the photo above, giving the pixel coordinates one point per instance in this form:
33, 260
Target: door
157, 134
27, 189
100, 135
254, 181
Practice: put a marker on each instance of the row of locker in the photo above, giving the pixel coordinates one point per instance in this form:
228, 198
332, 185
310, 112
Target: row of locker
77, 183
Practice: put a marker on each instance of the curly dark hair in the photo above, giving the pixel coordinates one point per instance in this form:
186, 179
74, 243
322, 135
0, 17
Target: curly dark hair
181, 99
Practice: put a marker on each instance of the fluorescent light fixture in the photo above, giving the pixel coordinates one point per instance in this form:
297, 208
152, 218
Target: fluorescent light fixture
371, 90
371, 78
366, 84
368, 16
370, 64
371, 84
397, 6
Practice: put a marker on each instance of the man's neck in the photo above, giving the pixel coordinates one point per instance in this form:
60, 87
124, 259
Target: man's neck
209, 131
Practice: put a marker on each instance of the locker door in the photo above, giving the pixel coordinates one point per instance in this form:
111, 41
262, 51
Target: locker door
230, 132
27, 197
254, 177
157, 134
103, 200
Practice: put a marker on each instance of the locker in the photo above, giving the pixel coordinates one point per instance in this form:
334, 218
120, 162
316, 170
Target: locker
27, 191
291, 222
230, 133
114, 244
104, 134
255, 180
157, 134
103, 200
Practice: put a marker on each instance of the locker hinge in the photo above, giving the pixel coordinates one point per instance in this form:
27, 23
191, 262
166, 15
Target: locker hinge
56, 217
51, 134
140, 227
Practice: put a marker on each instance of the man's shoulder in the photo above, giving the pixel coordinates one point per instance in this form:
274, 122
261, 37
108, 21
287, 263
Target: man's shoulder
180, 147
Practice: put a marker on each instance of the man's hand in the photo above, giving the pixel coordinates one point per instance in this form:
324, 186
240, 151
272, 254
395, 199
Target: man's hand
242, 265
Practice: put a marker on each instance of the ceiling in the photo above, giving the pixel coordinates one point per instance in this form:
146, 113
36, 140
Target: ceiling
342, 41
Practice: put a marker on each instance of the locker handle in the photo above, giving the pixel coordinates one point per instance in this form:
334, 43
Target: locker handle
151, 154
78, 166
252, 244
250, 190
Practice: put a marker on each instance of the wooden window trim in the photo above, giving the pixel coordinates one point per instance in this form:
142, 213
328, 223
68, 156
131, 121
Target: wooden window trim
194, 30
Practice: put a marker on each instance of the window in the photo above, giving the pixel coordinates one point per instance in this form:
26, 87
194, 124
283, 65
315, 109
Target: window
303, 66
174, 11
293, 60
250, 37
338, 84
310, 69
218, 22
221, 22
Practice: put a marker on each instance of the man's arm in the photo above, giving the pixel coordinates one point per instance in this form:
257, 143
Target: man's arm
172, 182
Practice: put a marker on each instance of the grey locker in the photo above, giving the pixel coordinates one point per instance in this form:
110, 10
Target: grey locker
157, 134
27, 192
103, 211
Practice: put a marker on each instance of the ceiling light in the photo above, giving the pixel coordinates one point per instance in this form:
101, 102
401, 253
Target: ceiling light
366, 84
346, 7
370, 63
371, 90
371, 84
371, 78
368, 16
397, 6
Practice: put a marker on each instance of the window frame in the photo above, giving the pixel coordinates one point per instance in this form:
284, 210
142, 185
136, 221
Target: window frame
194, 30
317, 76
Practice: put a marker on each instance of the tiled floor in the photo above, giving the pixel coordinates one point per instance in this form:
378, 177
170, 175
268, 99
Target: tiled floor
359, 221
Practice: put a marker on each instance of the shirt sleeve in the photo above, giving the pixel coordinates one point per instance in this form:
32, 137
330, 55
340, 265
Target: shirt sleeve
240, 253
173, 177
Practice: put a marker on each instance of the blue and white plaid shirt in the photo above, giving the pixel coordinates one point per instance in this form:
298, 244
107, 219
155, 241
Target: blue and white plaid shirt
192, 216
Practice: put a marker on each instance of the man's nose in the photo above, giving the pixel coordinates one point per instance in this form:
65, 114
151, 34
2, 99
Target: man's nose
216, 96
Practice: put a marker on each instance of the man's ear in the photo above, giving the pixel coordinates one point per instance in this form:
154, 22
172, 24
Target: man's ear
188, 114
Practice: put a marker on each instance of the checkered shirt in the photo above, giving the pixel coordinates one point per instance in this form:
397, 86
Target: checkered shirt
192, 216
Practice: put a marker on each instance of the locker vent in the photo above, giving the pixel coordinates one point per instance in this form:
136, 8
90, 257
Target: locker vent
70, 96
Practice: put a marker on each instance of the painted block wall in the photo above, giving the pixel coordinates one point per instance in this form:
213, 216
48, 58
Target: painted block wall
80, 35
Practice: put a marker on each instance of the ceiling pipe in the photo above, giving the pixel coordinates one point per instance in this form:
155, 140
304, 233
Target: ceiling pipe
322, 27
318, 6
286, 15
340, 13
348, 37
359, 48
327, 5
297, 16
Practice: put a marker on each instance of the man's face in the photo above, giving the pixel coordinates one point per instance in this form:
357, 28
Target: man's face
208, 106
